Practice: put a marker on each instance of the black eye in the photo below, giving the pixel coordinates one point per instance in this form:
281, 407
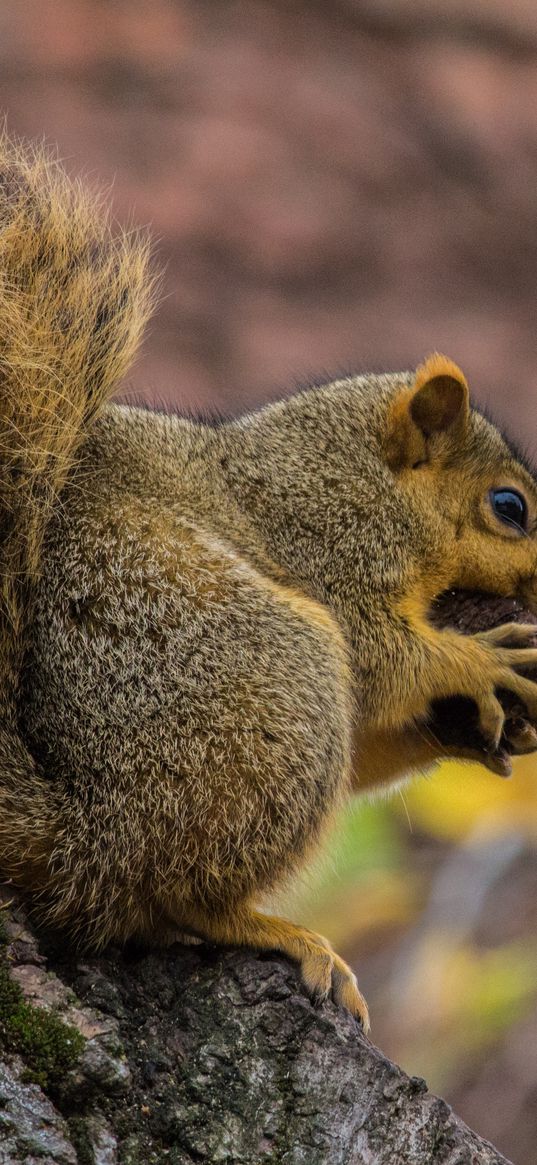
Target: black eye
510, 507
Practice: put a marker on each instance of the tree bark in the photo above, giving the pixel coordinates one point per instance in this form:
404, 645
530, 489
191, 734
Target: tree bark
196, 1055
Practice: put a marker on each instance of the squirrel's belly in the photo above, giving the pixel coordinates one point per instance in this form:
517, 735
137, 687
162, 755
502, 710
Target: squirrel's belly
211, 709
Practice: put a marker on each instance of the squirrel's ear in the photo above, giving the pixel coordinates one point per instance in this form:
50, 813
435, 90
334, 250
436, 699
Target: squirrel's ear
437, 403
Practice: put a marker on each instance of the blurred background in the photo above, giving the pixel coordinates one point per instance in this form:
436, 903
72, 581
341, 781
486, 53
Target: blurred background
341, 186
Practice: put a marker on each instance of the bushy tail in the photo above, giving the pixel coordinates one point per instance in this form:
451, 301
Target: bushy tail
73, 303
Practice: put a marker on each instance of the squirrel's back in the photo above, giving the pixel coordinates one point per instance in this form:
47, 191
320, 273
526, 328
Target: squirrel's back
73, 301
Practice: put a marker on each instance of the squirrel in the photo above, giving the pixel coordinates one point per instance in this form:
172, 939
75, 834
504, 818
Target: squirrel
212, 635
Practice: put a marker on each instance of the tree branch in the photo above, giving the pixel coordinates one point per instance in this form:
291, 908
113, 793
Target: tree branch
194, 1055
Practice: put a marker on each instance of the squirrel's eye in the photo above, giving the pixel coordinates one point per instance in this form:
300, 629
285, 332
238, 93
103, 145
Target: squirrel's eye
510, 507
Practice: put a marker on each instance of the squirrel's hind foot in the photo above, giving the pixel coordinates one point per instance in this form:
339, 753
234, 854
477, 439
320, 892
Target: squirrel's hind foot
323, 972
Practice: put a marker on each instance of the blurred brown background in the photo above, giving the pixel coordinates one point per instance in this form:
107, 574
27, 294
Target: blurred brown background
336, 184
341, 185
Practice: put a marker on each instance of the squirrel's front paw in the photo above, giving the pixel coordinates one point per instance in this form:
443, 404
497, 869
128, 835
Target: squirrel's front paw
504, 650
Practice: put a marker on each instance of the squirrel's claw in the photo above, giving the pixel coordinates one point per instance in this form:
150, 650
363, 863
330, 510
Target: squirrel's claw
325, 973
346, 992
499, 762
491, 719
520, 735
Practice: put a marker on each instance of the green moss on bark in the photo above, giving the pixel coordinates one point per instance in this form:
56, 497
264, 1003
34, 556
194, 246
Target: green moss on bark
47, 1046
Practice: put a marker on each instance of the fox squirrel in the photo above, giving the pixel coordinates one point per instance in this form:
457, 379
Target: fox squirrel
210, 635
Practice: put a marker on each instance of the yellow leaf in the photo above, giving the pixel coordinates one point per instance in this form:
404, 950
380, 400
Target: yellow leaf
461, 798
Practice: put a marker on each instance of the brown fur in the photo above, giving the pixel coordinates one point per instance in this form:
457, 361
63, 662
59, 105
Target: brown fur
215, 620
